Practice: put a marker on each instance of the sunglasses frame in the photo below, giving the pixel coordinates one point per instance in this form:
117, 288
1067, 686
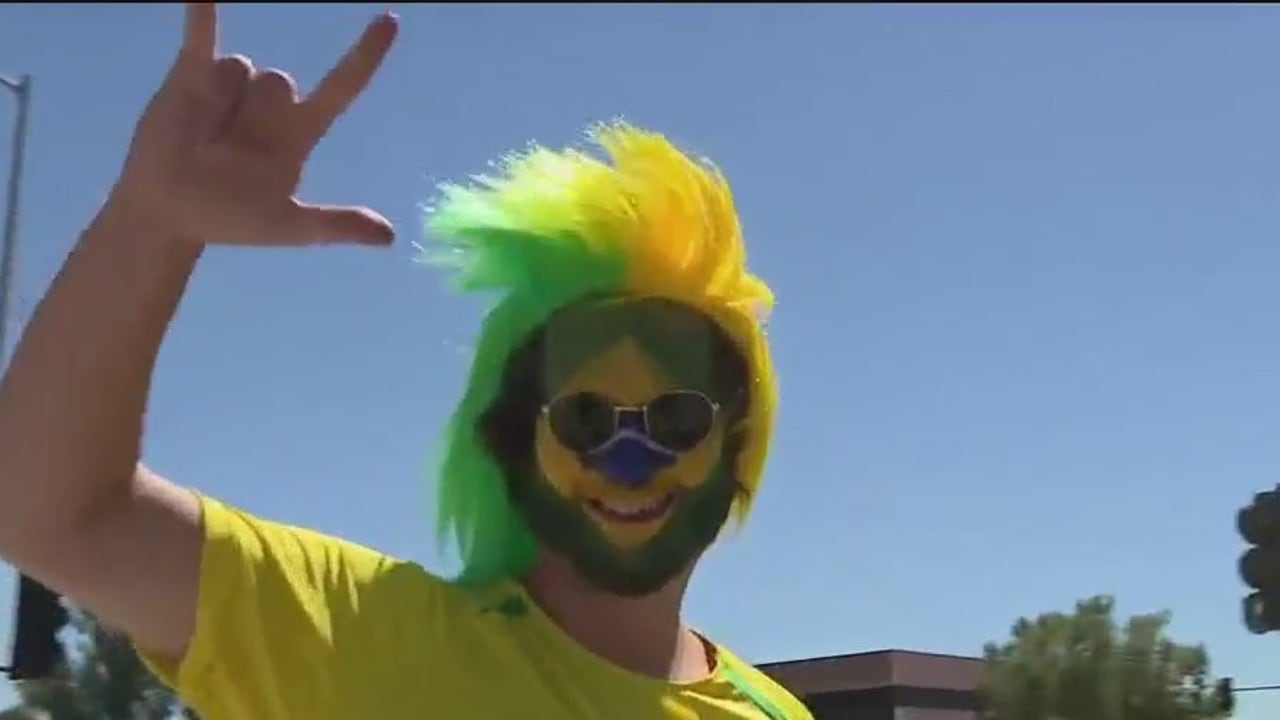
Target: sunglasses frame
619, 408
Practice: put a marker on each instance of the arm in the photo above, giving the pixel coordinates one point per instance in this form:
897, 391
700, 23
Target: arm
77, 512
217, 154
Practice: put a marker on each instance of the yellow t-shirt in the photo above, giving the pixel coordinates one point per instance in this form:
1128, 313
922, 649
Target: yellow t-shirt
296, 625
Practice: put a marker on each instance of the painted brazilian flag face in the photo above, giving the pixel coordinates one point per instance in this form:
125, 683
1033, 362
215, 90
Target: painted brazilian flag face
633, 446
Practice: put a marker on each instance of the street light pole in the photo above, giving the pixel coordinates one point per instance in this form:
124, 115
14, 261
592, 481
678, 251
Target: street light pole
21, 89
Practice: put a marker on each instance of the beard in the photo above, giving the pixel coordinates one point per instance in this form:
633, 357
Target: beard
566, 528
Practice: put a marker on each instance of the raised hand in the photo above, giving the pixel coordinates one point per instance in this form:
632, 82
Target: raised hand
218, 154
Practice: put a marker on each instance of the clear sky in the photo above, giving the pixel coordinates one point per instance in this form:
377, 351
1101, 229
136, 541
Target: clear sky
1027, 262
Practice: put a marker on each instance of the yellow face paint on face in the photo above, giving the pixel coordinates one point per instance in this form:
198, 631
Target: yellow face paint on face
627, 375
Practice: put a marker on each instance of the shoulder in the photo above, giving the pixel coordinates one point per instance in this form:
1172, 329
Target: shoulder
272, 593
300, 567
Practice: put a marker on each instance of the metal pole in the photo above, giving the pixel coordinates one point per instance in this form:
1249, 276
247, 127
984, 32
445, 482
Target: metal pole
21, 89
1256, 688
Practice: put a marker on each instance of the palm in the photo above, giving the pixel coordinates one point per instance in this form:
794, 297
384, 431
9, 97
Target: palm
222, 145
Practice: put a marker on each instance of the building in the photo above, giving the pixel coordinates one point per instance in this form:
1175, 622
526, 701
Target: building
884, 685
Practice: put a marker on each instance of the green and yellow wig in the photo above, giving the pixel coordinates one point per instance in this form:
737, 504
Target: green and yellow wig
551, 228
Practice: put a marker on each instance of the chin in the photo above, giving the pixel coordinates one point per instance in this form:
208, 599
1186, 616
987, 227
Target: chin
633, 571
618, 581
666, 538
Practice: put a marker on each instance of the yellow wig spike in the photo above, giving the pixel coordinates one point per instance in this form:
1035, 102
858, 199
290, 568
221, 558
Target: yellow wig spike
683, 241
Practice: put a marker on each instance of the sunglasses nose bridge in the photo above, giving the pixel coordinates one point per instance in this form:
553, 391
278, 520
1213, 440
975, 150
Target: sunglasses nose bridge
634, 419
585, 422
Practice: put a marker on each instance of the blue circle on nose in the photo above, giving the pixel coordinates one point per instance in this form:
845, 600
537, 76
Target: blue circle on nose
630, 462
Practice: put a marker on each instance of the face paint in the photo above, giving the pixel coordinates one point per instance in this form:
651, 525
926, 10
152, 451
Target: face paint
633, 462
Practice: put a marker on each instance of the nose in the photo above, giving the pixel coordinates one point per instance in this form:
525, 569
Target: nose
631, 463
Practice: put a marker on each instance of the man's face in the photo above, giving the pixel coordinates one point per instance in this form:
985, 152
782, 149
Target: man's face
633, 480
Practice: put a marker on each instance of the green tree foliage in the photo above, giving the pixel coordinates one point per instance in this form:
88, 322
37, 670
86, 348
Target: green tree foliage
104, 680
1084, 665
21, 713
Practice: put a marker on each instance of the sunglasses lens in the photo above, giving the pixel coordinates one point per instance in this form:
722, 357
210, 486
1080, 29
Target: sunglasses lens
582, 421
680, 420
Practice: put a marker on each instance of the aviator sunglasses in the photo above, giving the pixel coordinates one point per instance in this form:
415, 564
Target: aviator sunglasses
677, 421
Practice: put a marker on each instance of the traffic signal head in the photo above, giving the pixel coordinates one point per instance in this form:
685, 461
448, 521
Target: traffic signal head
1259, 522
1259, 526
37, 651
1261, 615
1259, 568
1224, 695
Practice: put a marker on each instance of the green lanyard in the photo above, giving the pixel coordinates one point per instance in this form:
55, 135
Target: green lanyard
750, 692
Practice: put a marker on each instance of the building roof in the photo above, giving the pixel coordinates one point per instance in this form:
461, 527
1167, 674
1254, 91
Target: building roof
880, 668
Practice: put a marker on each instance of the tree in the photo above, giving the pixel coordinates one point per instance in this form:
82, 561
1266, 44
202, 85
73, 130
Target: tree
1085, 666
21, 713
105, 680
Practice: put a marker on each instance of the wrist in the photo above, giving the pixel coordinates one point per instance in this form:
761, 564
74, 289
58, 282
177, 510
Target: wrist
128, 219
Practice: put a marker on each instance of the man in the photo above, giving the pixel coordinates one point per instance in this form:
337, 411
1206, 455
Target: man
594, 456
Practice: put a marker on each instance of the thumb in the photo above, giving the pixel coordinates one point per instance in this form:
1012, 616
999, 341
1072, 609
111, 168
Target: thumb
342, 224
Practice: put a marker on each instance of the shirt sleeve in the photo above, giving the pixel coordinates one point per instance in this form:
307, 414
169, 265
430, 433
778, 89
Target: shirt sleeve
275, 602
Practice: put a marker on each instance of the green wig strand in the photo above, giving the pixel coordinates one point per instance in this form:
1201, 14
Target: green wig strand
497, 241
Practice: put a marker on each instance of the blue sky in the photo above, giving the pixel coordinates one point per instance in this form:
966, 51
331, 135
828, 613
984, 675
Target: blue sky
1026, 261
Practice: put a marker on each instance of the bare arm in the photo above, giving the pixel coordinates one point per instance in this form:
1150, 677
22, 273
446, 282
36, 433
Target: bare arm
216, 156
76, 511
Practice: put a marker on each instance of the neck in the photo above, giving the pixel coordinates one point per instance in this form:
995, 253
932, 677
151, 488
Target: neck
642, 634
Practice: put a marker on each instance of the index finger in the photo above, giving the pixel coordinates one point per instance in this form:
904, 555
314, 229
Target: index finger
199, 36
344, 83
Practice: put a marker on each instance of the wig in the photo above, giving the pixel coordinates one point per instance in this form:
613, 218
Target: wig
639, 219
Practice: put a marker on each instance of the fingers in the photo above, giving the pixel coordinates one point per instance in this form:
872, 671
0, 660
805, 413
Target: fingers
347, 79
273, 87
262, 118
332, 224
199, 39
230, 79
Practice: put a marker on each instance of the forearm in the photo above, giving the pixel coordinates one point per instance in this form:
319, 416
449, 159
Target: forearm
73, 399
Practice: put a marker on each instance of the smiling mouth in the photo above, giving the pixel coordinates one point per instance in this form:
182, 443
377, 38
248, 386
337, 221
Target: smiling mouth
637, 511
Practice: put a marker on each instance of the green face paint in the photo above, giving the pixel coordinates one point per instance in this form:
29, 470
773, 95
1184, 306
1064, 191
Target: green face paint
565, 528
631, 477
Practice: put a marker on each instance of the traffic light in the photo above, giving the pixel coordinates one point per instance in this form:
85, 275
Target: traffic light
1224, 695
37, 651
1259, 525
